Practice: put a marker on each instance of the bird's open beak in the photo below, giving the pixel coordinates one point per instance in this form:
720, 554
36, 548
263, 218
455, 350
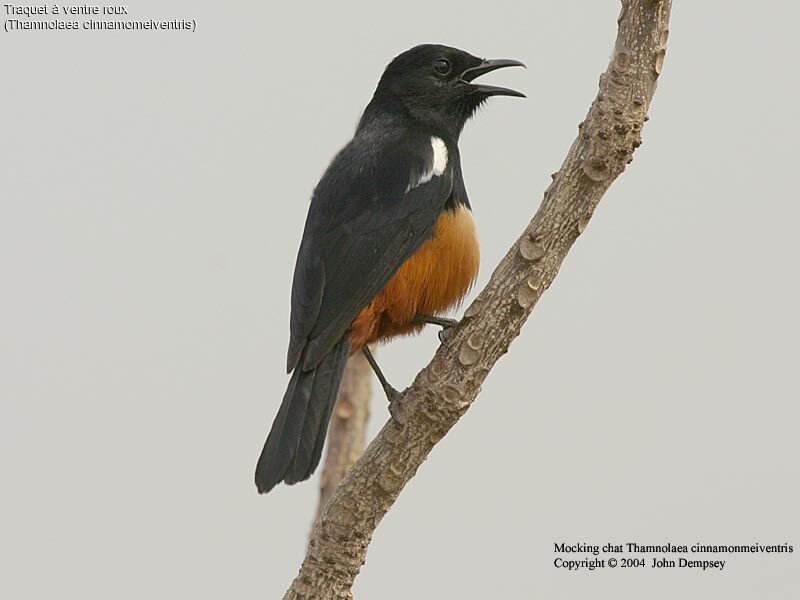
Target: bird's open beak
487, 66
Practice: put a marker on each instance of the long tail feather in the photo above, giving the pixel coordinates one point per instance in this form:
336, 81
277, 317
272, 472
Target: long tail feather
294, 445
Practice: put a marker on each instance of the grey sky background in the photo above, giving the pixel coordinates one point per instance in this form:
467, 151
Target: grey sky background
153, 191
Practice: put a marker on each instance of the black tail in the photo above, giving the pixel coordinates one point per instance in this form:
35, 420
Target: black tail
294, 445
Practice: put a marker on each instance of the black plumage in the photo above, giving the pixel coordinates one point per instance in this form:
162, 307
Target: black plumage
376, 204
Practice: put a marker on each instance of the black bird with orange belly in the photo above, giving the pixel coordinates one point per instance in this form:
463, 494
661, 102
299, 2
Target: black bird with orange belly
389, 242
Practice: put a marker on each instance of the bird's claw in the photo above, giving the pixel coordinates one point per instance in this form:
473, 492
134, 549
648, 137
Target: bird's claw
446, 331
445, 335
394, 406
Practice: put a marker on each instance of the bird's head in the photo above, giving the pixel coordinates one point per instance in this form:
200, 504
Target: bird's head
436, 85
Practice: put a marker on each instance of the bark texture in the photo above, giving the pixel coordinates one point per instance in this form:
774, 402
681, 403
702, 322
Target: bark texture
445, 389
347, 430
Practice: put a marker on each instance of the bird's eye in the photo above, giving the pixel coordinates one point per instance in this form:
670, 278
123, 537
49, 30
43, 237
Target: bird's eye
442, 66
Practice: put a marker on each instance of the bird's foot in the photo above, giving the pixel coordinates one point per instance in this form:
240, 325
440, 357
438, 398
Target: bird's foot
394, 398
446, 325
446, 332
392, 394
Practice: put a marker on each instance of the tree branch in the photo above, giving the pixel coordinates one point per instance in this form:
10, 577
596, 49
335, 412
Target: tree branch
347, 431
445, 389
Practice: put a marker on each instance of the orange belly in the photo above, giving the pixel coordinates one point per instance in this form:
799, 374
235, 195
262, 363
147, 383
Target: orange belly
436, 277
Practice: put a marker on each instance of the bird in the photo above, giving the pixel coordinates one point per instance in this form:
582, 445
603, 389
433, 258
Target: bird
389, 243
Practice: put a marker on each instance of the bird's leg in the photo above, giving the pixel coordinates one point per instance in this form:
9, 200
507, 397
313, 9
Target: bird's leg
445, 324
391, 394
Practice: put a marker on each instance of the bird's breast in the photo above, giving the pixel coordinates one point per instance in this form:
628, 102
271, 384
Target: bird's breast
436, 277
442, 270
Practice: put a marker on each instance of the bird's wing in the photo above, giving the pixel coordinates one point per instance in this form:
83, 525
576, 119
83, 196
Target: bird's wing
372, 209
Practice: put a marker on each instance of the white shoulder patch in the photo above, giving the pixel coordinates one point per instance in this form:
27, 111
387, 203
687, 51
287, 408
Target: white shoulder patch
439, 163
439, 156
